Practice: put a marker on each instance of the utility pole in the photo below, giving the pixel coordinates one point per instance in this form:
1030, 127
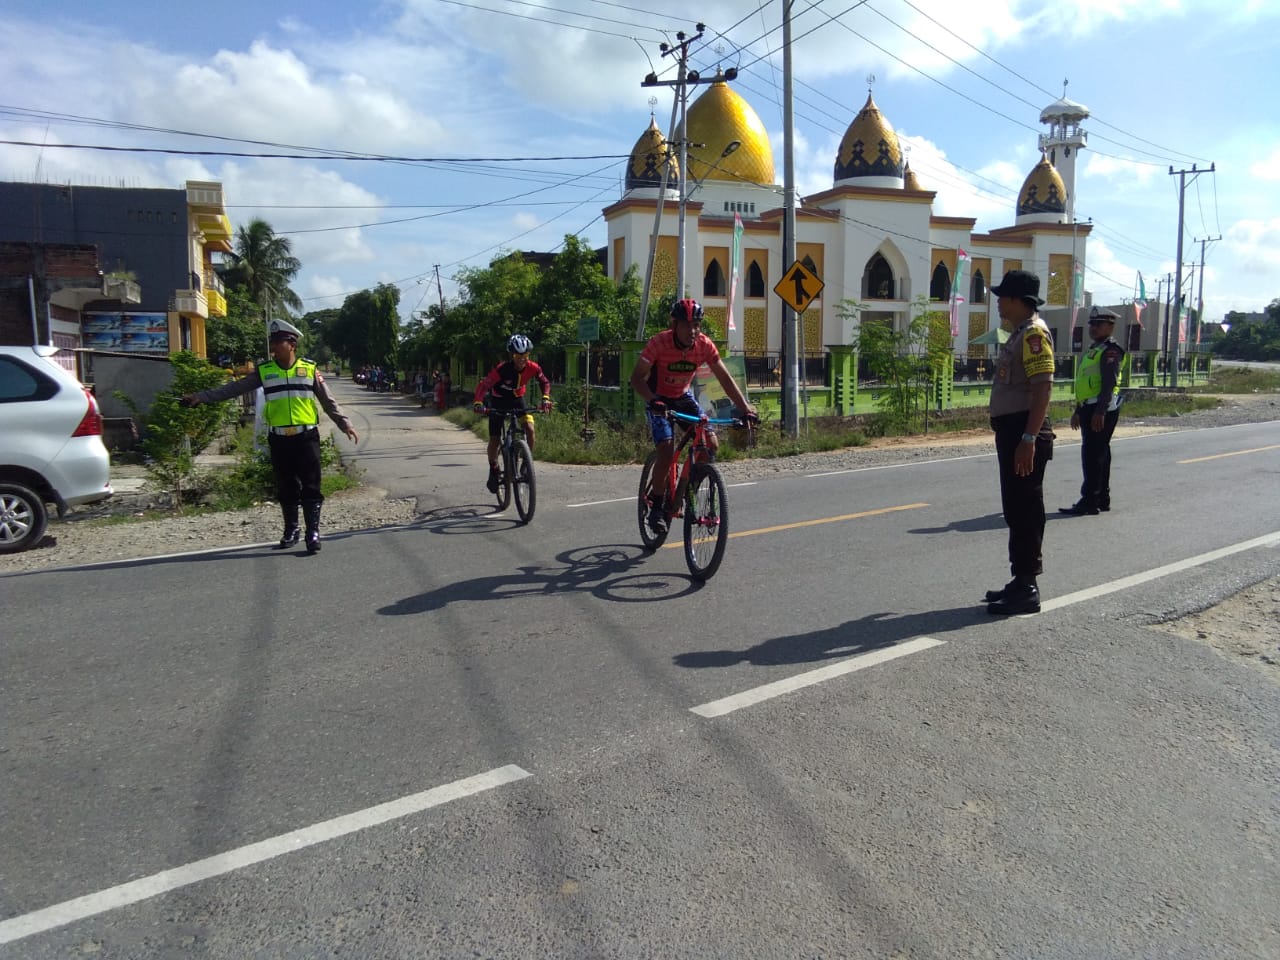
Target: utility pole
790, 323
1167, 283
684, 77
439, 289
1177, 290
1200, 295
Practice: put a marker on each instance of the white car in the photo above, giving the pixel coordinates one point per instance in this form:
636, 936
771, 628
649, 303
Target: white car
51, 448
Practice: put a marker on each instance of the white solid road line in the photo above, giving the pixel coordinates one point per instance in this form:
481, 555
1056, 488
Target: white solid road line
747, 698
69, 911
1124, 583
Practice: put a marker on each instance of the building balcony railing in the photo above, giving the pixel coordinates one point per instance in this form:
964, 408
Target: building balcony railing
217, 303
190, 303
121, 289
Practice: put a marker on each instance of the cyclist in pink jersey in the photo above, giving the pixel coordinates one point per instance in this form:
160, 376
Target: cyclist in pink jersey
663, 378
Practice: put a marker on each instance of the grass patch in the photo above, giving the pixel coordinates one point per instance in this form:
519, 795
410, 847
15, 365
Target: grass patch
1240, 380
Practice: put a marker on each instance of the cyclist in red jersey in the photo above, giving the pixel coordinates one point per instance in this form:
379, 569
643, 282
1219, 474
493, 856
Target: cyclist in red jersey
663, 377
505, 386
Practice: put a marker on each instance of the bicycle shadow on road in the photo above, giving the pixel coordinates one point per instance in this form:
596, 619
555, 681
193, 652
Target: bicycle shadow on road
605, 571
875, 631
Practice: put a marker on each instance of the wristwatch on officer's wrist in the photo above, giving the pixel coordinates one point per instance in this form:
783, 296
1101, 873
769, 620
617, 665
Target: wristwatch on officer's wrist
1028, 438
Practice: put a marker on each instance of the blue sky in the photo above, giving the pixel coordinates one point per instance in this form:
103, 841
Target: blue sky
1168, 84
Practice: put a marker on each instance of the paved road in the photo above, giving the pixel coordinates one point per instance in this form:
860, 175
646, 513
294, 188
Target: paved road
467, 738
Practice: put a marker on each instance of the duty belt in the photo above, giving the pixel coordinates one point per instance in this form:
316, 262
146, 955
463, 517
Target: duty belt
292, 431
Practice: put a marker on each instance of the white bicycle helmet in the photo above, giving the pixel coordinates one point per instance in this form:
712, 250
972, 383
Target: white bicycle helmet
519, 343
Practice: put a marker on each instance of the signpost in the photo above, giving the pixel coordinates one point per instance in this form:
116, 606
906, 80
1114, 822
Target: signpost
588, 330
798, 288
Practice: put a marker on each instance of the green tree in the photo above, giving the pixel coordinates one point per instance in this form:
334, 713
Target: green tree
906, 361
173, 434
240, 336
367, 327
265, 266
1251, 339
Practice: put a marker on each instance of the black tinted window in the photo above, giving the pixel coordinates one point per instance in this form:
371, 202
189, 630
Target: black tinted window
18, 381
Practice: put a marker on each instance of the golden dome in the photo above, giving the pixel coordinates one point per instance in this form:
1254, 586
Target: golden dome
909, 179
870, 148
718, 118
644, 169
1043, 191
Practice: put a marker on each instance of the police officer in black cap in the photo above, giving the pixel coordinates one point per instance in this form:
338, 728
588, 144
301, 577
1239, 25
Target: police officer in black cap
1096, 413
1024, 440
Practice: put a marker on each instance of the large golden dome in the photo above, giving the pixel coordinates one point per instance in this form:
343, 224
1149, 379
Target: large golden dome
870, 148
1043, 191
716, 119
644, 169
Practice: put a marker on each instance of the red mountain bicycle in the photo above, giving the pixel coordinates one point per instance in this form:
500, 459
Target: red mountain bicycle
695, 492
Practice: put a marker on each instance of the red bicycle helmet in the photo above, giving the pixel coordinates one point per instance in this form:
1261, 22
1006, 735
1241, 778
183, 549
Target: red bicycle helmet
690, 310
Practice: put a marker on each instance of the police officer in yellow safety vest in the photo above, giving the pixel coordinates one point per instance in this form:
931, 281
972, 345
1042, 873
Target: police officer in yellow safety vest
294, 392
1097, 410
1024, 439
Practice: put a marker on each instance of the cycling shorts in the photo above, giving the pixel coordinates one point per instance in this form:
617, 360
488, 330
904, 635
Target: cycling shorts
496, 416
660, 426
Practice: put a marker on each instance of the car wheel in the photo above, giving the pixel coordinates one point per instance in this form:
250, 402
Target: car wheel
23, 518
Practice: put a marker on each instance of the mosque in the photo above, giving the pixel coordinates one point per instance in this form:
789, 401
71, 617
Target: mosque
873, 237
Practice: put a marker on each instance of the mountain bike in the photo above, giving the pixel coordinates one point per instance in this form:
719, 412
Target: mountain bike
695, 492
517, 481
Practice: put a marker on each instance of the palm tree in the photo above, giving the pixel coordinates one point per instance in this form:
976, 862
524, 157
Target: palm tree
265, 265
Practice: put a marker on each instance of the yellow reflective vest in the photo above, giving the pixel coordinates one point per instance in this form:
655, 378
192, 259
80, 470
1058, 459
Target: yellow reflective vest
290, 394
1089, 375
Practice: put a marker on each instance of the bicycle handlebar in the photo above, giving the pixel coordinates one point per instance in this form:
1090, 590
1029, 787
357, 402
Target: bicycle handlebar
726, 421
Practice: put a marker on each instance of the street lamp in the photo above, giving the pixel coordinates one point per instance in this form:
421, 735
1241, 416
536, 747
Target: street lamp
685, 193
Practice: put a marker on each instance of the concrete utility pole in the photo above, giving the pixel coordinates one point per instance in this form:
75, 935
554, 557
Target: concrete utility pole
684, 77
1177, 289
790, 323
1200, 295
439, 289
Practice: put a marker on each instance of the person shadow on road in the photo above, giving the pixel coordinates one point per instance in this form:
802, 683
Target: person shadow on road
876, 631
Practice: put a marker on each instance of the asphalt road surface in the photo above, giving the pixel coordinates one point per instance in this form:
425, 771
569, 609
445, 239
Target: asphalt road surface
467, 738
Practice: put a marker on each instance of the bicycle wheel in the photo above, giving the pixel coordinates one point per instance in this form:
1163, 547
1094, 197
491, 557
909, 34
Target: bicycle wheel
706, 521
523, 486
651, 540
504, 483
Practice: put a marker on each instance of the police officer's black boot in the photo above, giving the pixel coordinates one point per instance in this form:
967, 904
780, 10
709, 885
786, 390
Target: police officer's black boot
311, 514
1021, 596
291, 532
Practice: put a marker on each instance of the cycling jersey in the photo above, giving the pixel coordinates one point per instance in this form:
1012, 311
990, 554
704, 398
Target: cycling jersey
672, 368
507, 384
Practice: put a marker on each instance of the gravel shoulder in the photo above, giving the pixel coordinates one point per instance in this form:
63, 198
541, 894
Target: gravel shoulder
1243, 626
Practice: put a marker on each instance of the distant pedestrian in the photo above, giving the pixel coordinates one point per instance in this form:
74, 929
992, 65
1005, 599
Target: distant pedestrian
1097, 411
442, 391
294, 392
1024, 439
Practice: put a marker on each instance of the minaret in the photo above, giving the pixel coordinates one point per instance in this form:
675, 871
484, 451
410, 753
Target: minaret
1063, 141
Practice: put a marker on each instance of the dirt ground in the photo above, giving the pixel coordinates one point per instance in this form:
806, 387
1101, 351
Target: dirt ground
1245, 626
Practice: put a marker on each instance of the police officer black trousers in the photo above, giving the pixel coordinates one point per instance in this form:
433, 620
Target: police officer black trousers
1095, 459
295, 461
1022, 498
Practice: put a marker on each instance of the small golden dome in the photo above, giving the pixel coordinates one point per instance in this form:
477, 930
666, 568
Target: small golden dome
909, 179
718, 118
644, 169
1043, 191
870, 148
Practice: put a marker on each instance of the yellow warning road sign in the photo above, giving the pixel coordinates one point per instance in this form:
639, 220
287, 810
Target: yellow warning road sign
798, 287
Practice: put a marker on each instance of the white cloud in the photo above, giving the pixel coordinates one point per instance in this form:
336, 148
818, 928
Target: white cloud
1268, 168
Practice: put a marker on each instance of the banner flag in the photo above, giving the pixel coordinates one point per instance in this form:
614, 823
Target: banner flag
956, 297
735, 269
